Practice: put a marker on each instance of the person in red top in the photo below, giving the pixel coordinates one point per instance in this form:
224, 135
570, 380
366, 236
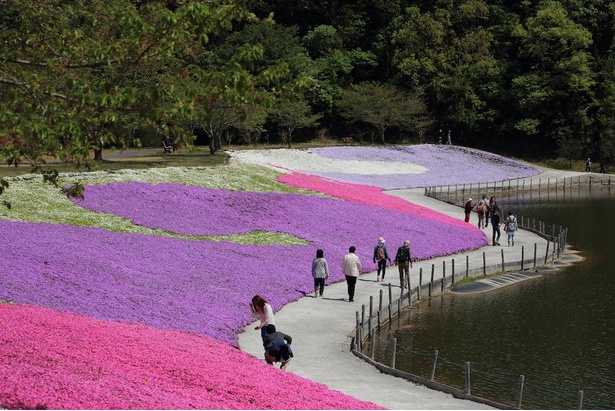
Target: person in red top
481, 212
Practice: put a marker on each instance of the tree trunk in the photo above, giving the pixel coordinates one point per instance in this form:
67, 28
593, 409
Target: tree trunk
98, 154
290, 136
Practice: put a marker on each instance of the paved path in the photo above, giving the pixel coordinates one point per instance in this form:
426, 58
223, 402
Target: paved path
322, 328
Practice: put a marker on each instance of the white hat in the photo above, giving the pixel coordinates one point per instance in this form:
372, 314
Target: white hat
381, 240
470, 199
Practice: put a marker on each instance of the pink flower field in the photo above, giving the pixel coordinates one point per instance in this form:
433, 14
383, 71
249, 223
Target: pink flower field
106, 320
56, 360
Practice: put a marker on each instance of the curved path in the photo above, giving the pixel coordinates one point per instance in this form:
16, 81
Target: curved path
322, 328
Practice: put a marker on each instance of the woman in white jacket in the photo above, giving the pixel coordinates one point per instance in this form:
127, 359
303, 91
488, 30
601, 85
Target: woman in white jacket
351, 267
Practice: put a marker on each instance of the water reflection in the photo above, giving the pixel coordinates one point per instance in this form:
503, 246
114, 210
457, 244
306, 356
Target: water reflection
558, 331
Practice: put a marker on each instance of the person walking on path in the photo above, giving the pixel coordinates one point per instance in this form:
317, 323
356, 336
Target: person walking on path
403, 261
588, 165
320, 272
381, 255
511, 227
351, 267
601, 166
468, 209
488, 212
261, 309
481, 212
277, 347
495, 225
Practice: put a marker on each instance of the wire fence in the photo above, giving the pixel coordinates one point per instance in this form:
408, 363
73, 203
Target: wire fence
463, 380
457, 193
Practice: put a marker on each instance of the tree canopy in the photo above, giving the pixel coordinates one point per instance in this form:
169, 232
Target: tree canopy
71, 71
498, 74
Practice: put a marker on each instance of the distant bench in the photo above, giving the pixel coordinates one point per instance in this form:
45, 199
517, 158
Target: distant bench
347, 140
168, 148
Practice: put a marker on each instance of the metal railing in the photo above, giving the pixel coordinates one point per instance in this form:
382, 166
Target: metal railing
371, 318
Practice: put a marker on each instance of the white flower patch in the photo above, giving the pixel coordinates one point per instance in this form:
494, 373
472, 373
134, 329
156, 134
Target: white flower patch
307, 161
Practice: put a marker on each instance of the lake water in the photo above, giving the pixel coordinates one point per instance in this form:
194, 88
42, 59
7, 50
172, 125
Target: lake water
558, 331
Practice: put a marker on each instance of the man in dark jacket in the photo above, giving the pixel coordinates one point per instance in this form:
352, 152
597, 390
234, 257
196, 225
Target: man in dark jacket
277, 347
403, 261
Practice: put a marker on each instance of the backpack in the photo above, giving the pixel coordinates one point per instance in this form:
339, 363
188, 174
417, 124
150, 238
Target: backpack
481, 211
402, 254
512, 224
380, 254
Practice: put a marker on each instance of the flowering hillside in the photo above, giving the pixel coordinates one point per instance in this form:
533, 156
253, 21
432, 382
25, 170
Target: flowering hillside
395, 167
175, 255
55, 360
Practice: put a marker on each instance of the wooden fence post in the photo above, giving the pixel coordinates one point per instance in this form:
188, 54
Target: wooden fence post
393, 352
357, 338
443, 275
580, 400
372, 348
467, 377
467, 266
520, 391
503, 265
432, 375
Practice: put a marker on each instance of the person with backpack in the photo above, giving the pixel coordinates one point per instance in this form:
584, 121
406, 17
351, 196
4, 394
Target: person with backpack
481, 212
510, 226
381, 255
277, 347
403, 261
320, 272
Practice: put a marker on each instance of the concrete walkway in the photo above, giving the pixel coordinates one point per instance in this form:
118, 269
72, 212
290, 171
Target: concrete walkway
322, 329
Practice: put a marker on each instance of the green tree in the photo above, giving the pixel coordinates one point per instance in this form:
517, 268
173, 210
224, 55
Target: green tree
446, 49
333, 66
382, 106
252, 124
290, 114
70, 70
554, 87
275, 65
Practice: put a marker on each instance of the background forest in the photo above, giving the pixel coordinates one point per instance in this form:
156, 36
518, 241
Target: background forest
526, 77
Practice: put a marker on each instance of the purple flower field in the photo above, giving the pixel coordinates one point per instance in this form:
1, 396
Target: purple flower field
200, 286
446, 165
